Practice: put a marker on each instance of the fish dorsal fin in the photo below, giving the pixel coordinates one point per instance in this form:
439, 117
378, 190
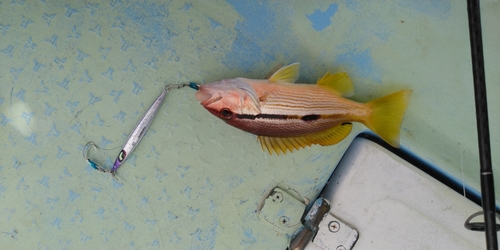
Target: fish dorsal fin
340, 82
331, 136
324, 138
289, 73
281, 145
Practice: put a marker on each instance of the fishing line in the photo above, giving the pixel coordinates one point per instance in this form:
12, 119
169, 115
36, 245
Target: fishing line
462, 167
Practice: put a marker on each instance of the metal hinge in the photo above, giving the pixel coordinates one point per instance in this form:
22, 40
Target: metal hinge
282, 211
318, 229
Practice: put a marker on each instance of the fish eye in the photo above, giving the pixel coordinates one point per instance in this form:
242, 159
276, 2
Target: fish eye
226, 114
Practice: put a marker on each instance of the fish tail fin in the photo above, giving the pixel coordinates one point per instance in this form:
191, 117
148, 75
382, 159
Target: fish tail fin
387, 115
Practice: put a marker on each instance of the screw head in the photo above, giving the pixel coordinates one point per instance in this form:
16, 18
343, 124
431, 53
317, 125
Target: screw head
284, 220
333, 226
341, 247
277, 197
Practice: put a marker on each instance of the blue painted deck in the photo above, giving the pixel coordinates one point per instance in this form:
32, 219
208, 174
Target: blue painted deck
79, 71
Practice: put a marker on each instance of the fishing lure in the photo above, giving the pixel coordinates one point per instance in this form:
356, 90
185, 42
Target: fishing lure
142, 126
85, 152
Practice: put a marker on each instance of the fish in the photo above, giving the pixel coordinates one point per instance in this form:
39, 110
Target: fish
288, 116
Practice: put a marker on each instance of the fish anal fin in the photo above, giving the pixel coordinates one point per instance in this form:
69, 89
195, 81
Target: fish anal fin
289, 73
340, 82
330, 136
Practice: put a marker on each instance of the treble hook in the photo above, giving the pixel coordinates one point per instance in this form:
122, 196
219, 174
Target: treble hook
85, 151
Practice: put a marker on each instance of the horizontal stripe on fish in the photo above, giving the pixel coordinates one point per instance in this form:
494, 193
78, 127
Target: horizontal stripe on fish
300, 111
297, 106
310, 117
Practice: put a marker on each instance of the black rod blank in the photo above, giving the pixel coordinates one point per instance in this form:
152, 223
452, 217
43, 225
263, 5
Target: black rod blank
487, 184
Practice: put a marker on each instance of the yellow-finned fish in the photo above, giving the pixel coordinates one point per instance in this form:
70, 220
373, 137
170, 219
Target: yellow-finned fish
286, 115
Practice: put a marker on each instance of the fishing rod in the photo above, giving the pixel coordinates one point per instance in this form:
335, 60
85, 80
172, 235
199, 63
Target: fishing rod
487, 184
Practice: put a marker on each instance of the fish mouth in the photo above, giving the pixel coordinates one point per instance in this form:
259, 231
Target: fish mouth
206, 97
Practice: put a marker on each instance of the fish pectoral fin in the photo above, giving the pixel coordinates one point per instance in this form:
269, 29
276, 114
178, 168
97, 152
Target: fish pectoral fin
263, 97
340, 82
330, 136
289, 73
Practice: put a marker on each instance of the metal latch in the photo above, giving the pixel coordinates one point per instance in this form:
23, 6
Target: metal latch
318, 229
322, 230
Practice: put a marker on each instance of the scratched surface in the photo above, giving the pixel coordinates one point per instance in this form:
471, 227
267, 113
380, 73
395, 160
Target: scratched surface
75, 71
